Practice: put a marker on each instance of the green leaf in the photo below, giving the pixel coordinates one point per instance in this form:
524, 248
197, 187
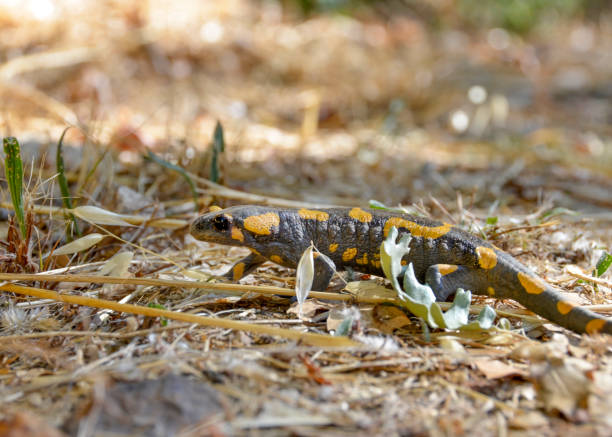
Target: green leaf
457, 315
391, 254
63, 183
153, 157
419, 298
375, 204
344, 328
218, 147
603, 264
492, 220
13, 169
483, 322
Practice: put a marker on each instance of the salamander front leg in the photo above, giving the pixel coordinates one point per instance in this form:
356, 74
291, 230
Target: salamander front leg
245, 266
324, 269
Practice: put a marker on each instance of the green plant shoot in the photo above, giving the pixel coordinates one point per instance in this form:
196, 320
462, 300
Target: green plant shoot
218, 147
63, 184
13, 169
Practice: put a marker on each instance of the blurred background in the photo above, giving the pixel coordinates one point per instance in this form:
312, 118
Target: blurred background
333, 101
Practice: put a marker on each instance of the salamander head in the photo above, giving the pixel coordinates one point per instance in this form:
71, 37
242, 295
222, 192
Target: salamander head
236, 226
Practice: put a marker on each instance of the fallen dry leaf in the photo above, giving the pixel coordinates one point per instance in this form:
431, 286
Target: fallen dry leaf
562, 386
528, 420
451, 344
24, 424
155, 407
494, 369
600, 401
371, 289
310, 309
388, 318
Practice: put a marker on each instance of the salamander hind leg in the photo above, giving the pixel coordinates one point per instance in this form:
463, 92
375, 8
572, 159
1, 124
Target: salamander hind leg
445, 279
243, 267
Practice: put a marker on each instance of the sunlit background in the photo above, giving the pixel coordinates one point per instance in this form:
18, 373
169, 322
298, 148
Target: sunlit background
445, 83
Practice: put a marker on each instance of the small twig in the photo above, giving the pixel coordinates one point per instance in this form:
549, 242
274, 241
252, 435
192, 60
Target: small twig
306, 337
521, 228
48, 60
441, 207
229, 193
161, 222
572, 271
117, 335
360, 365
602, 308
261, 289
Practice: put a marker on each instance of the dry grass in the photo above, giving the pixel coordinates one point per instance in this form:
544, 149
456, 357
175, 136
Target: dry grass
322, 111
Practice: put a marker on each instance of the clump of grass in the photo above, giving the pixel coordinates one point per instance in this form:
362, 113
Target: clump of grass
218, 147
19, 232
63, 184
13, 169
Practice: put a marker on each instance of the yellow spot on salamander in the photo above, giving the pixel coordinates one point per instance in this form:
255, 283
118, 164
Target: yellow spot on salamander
491, 291
530, 284
254, 251
311, 214
214, 208
238, 271
261, 224
362, 260
594, 326
237, 234
361, 215
375, 263
277, 259
487, 259
333, 247
415, 229
564, 307
445, 269
349, 254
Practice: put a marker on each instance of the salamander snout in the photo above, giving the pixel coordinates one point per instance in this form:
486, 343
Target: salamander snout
215, 227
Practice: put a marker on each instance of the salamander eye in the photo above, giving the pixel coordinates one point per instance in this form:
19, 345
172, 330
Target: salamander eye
221, 223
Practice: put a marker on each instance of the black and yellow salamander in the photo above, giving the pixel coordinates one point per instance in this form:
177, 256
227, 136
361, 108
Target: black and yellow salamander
443, 256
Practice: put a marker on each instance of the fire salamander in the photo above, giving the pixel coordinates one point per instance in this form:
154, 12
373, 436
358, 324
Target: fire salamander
443, 256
